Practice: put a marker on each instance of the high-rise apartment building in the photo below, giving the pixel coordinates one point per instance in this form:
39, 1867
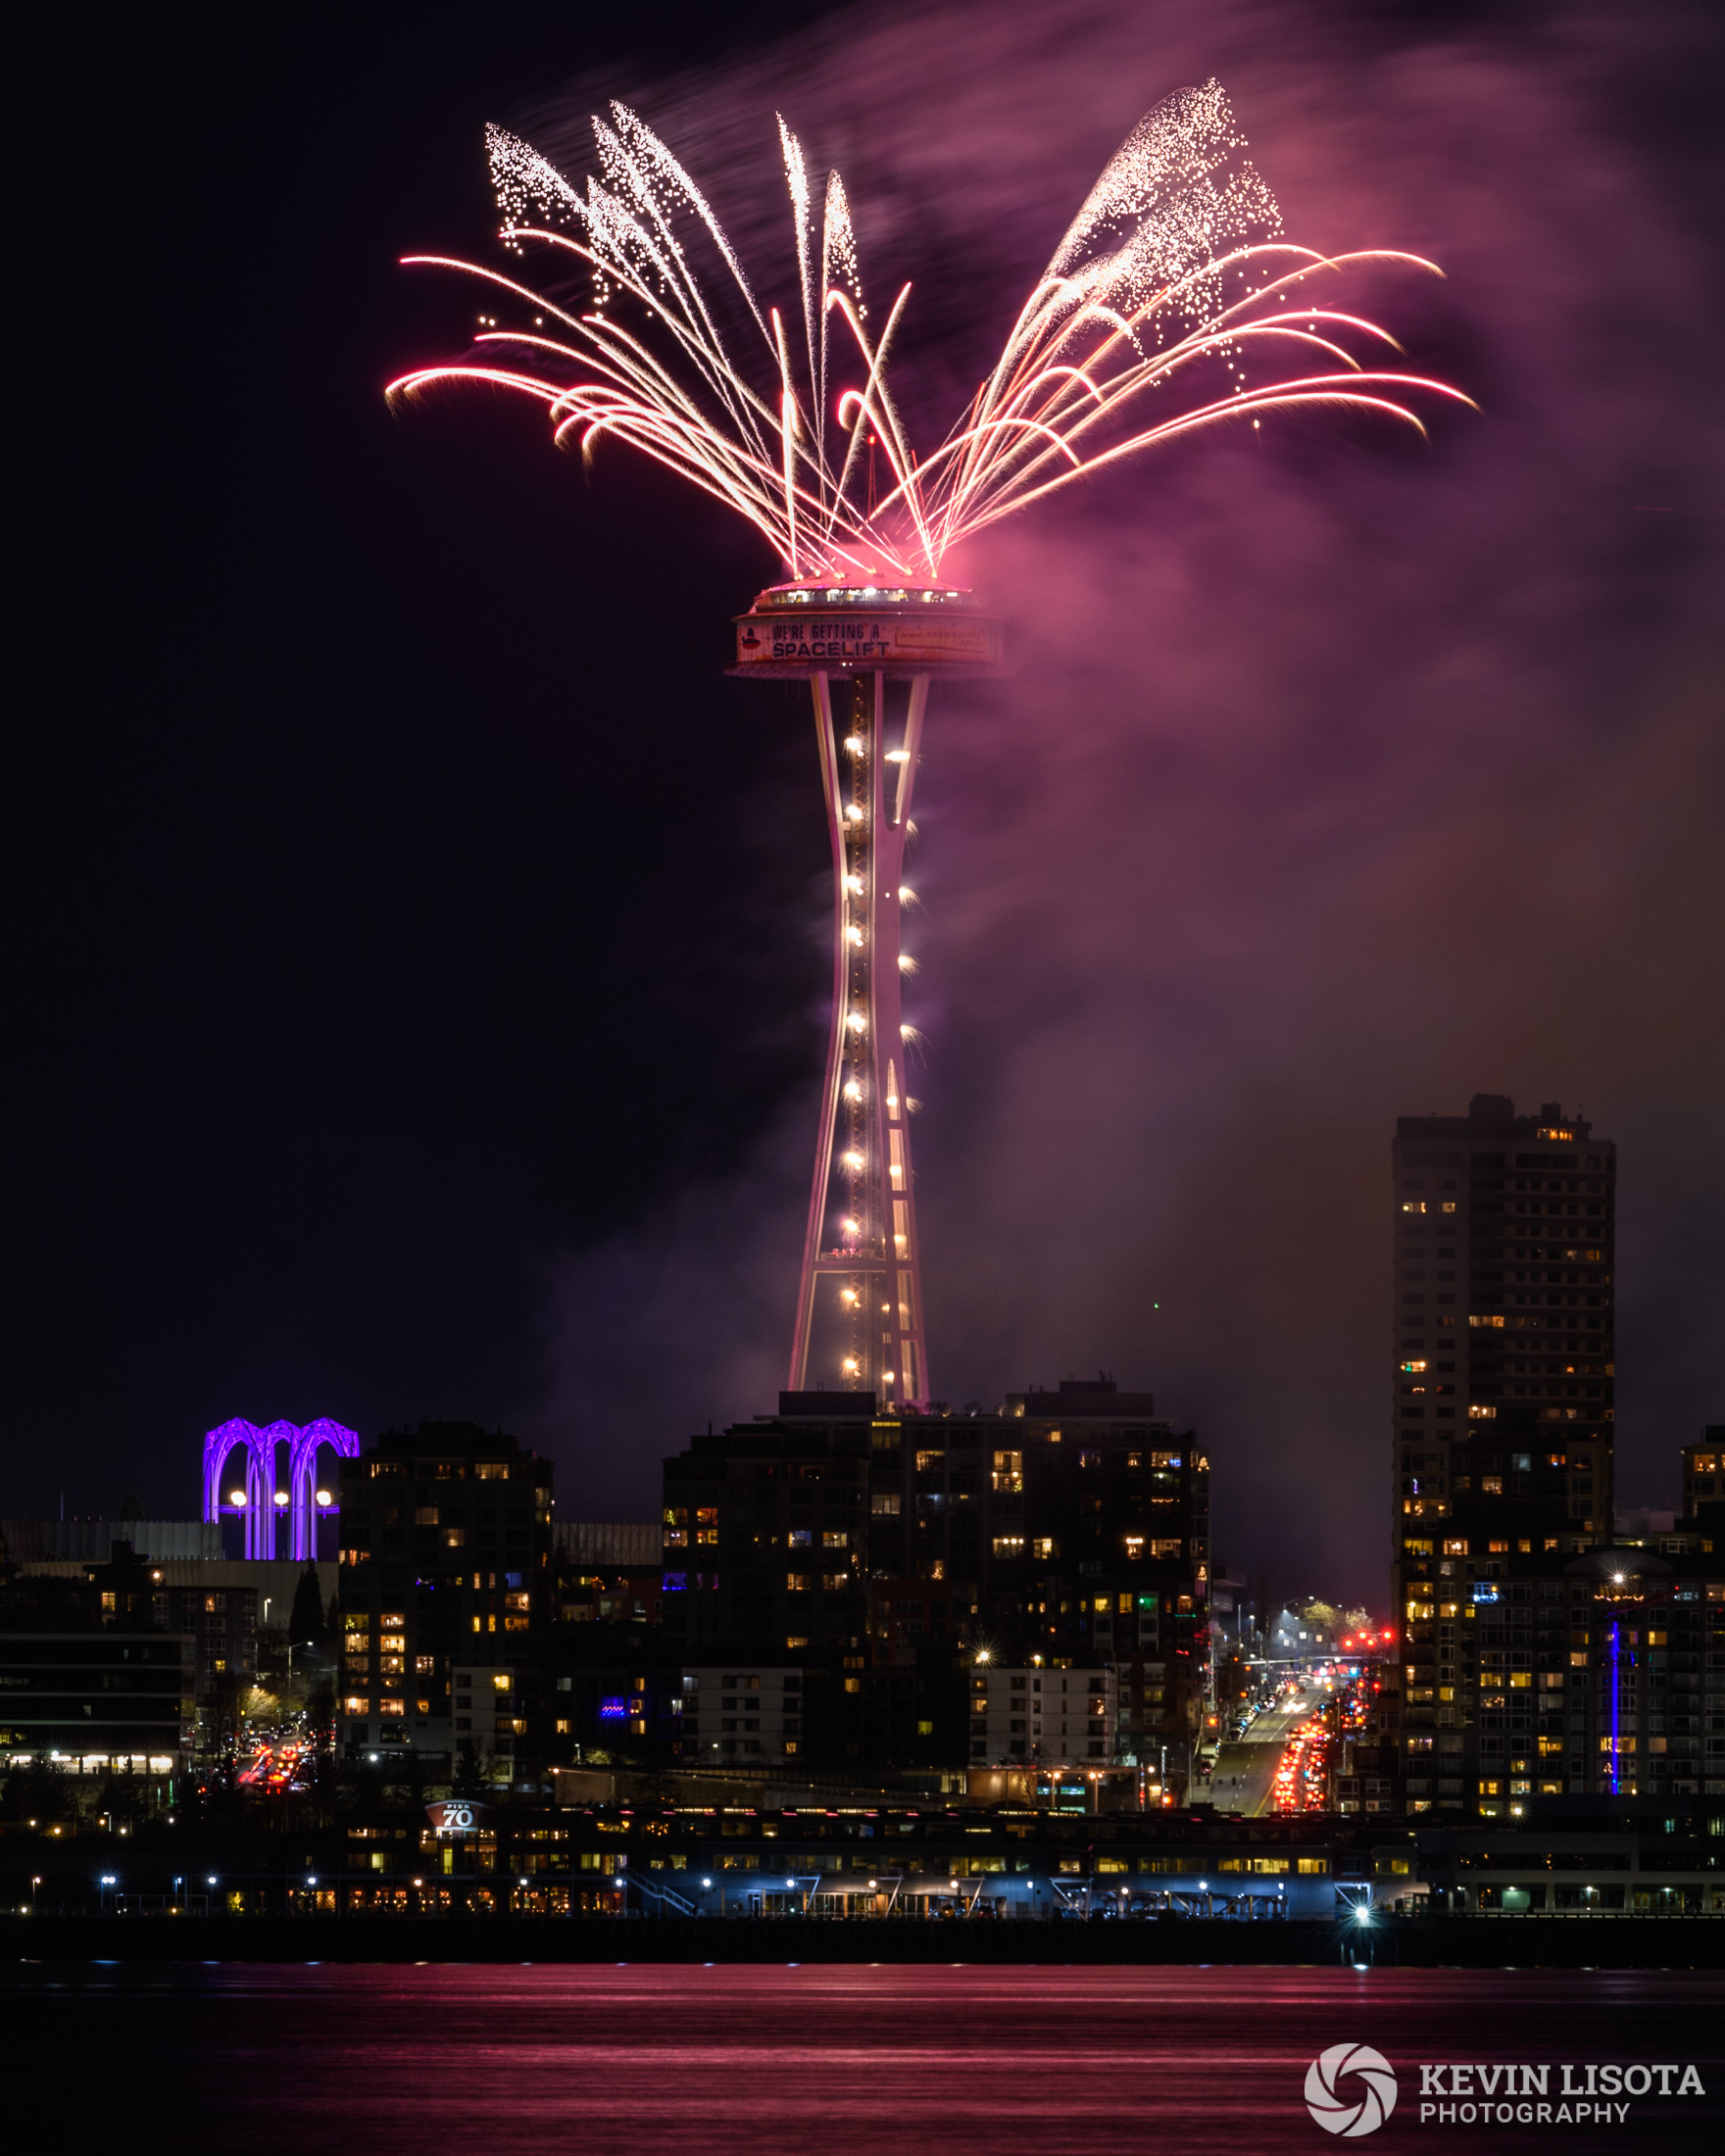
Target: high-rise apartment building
887, 1551
445, 1565
1503, 1366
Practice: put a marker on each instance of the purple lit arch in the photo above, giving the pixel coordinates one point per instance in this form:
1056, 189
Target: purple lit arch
259, 1500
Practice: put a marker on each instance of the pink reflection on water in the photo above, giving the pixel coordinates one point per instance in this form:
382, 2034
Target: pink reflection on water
862, 2061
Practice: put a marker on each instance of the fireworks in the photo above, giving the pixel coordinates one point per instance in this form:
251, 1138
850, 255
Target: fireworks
1172, 304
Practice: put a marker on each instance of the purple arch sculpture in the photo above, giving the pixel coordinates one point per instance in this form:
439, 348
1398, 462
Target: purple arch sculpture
255, 1507
258, 1504
301, 1456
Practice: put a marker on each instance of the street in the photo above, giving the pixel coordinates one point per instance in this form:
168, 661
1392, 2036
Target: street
1243, 1780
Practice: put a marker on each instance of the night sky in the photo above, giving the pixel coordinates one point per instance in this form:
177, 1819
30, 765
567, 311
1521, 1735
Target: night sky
418, 944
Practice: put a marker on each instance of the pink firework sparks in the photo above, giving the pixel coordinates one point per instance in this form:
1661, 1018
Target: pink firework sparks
1172, 304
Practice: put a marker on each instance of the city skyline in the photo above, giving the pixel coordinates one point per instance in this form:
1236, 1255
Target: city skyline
1174, 1591
317, 1136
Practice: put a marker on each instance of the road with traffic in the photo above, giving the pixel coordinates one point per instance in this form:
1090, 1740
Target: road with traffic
1243, 1780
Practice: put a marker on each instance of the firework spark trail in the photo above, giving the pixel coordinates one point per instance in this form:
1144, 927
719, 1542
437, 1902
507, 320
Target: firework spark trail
1173, 271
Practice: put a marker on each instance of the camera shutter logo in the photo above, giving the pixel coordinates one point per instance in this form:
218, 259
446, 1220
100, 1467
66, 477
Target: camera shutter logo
1351, 2090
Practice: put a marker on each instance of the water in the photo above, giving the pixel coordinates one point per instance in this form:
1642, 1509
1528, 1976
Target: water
828, 2060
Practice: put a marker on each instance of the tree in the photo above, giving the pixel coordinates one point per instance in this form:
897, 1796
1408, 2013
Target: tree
38, 1791
306, 1623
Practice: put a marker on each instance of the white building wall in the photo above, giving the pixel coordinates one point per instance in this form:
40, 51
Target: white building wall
1057, 1716
741, 1717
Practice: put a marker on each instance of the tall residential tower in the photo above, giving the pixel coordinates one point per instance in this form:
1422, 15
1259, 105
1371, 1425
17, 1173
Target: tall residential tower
1502, 1368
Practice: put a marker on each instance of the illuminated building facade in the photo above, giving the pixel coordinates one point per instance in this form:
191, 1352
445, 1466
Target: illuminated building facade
607, 1572
1503, 1381
1108, 1559
888, 1550
732, 1717
1042, 1716
1647, 1683
497, 1712
91, 1677
1703, 1482
445, 1563
767, 1534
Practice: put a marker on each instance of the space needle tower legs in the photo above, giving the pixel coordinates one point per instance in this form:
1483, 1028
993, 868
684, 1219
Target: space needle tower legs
861, 1251
868, 653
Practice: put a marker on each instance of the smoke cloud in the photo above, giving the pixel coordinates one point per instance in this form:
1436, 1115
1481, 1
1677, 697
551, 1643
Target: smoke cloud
1340, 776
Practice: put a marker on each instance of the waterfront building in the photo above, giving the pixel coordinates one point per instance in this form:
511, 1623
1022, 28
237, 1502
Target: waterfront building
740, 1717
767, 1534
445, 1562
890, 1551
1042, 1716
91, 1677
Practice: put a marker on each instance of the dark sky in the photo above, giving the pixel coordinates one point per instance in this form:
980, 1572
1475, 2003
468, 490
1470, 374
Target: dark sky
417, 973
